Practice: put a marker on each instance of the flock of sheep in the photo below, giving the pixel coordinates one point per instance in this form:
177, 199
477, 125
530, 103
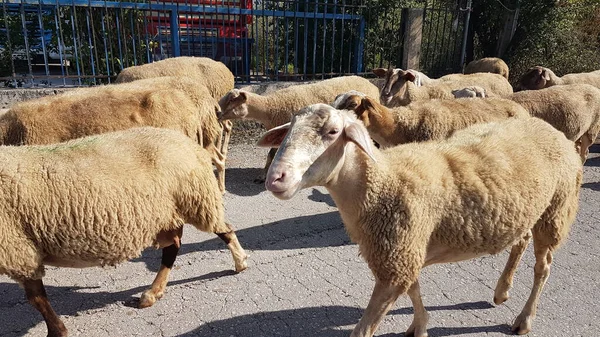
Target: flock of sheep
422, 170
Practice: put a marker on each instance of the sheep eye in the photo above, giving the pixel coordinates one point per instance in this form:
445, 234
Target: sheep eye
333, 131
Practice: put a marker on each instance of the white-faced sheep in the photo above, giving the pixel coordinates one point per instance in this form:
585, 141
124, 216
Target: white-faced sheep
418, 204
469, 92
573, 109
166, 102
540, 77
488, 65
399, 88
101, 200
278, 107
427, 120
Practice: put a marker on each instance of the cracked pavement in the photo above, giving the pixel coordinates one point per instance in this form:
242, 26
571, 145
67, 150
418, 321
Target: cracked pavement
305, 278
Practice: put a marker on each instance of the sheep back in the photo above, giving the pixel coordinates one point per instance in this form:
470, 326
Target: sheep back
283, 103
488, 65
205, 71
101, 200
573, 109
167, 102
439, 119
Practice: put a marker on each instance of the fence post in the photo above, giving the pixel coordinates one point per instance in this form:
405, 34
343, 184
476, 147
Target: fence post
175, 33
510, 25
360, 47
412, 36
466, 33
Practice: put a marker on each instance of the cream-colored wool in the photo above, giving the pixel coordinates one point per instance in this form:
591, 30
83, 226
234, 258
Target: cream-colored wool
102, 199
573, 109
400, 89
418, 204
428, 120
166, 102
278, 107
204, 71
469, 92
488, 65
540, 77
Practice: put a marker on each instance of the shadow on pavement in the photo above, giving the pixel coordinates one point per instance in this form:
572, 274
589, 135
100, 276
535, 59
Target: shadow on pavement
240, 181
326, 321
317, 196
311, 231
592, 186
69, 301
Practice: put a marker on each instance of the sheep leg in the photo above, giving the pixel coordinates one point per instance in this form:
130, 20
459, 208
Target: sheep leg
584, 146
238, 253
224, 147
418, 327
382, 299
36, 295
261, 178
506, 279
169, 254
219, 161
543, 259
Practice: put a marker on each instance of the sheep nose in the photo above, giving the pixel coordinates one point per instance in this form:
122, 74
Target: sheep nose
275, 181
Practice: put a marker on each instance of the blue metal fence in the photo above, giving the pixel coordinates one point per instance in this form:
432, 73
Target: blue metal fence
79, 42
86, 42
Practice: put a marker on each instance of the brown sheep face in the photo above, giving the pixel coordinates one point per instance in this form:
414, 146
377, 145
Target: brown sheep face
534, 79
395, 83
233, 105
348, 101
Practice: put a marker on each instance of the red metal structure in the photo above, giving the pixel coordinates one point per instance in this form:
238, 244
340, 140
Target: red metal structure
208, 28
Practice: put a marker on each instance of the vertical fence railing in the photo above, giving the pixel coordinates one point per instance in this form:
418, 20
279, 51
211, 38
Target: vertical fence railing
87, 42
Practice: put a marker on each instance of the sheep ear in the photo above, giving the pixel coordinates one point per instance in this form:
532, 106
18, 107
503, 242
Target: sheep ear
409, 76
380, 72
274, 137
358, 135
545, 74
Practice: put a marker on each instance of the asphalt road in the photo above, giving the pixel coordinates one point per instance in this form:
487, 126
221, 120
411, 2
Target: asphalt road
306, 279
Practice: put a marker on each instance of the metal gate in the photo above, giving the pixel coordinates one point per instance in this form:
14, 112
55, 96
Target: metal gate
444, 36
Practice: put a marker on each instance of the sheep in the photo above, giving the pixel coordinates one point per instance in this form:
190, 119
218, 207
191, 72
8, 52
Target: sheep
205, 71
540, 77
101, 200
420, 78
400, 89
488, 65
169, 102
278, 107
573, 109
427, 120
418, 204
469, 92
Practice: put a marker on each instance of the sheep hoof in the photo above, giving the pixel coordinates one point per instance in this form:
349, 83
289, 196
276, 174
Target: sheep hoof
148, 299
416, 332
499, 299
241, 266
522, 325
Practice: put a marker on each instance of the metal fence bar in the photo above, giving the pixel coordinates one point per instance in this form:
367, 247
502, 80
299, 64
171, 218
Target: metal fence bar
257, 39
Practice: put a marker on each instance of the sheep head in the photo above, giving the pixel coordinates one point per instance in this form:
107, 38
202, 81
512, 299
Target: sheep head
233, 105
348, 100
535, 78
312, 148
395, 83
